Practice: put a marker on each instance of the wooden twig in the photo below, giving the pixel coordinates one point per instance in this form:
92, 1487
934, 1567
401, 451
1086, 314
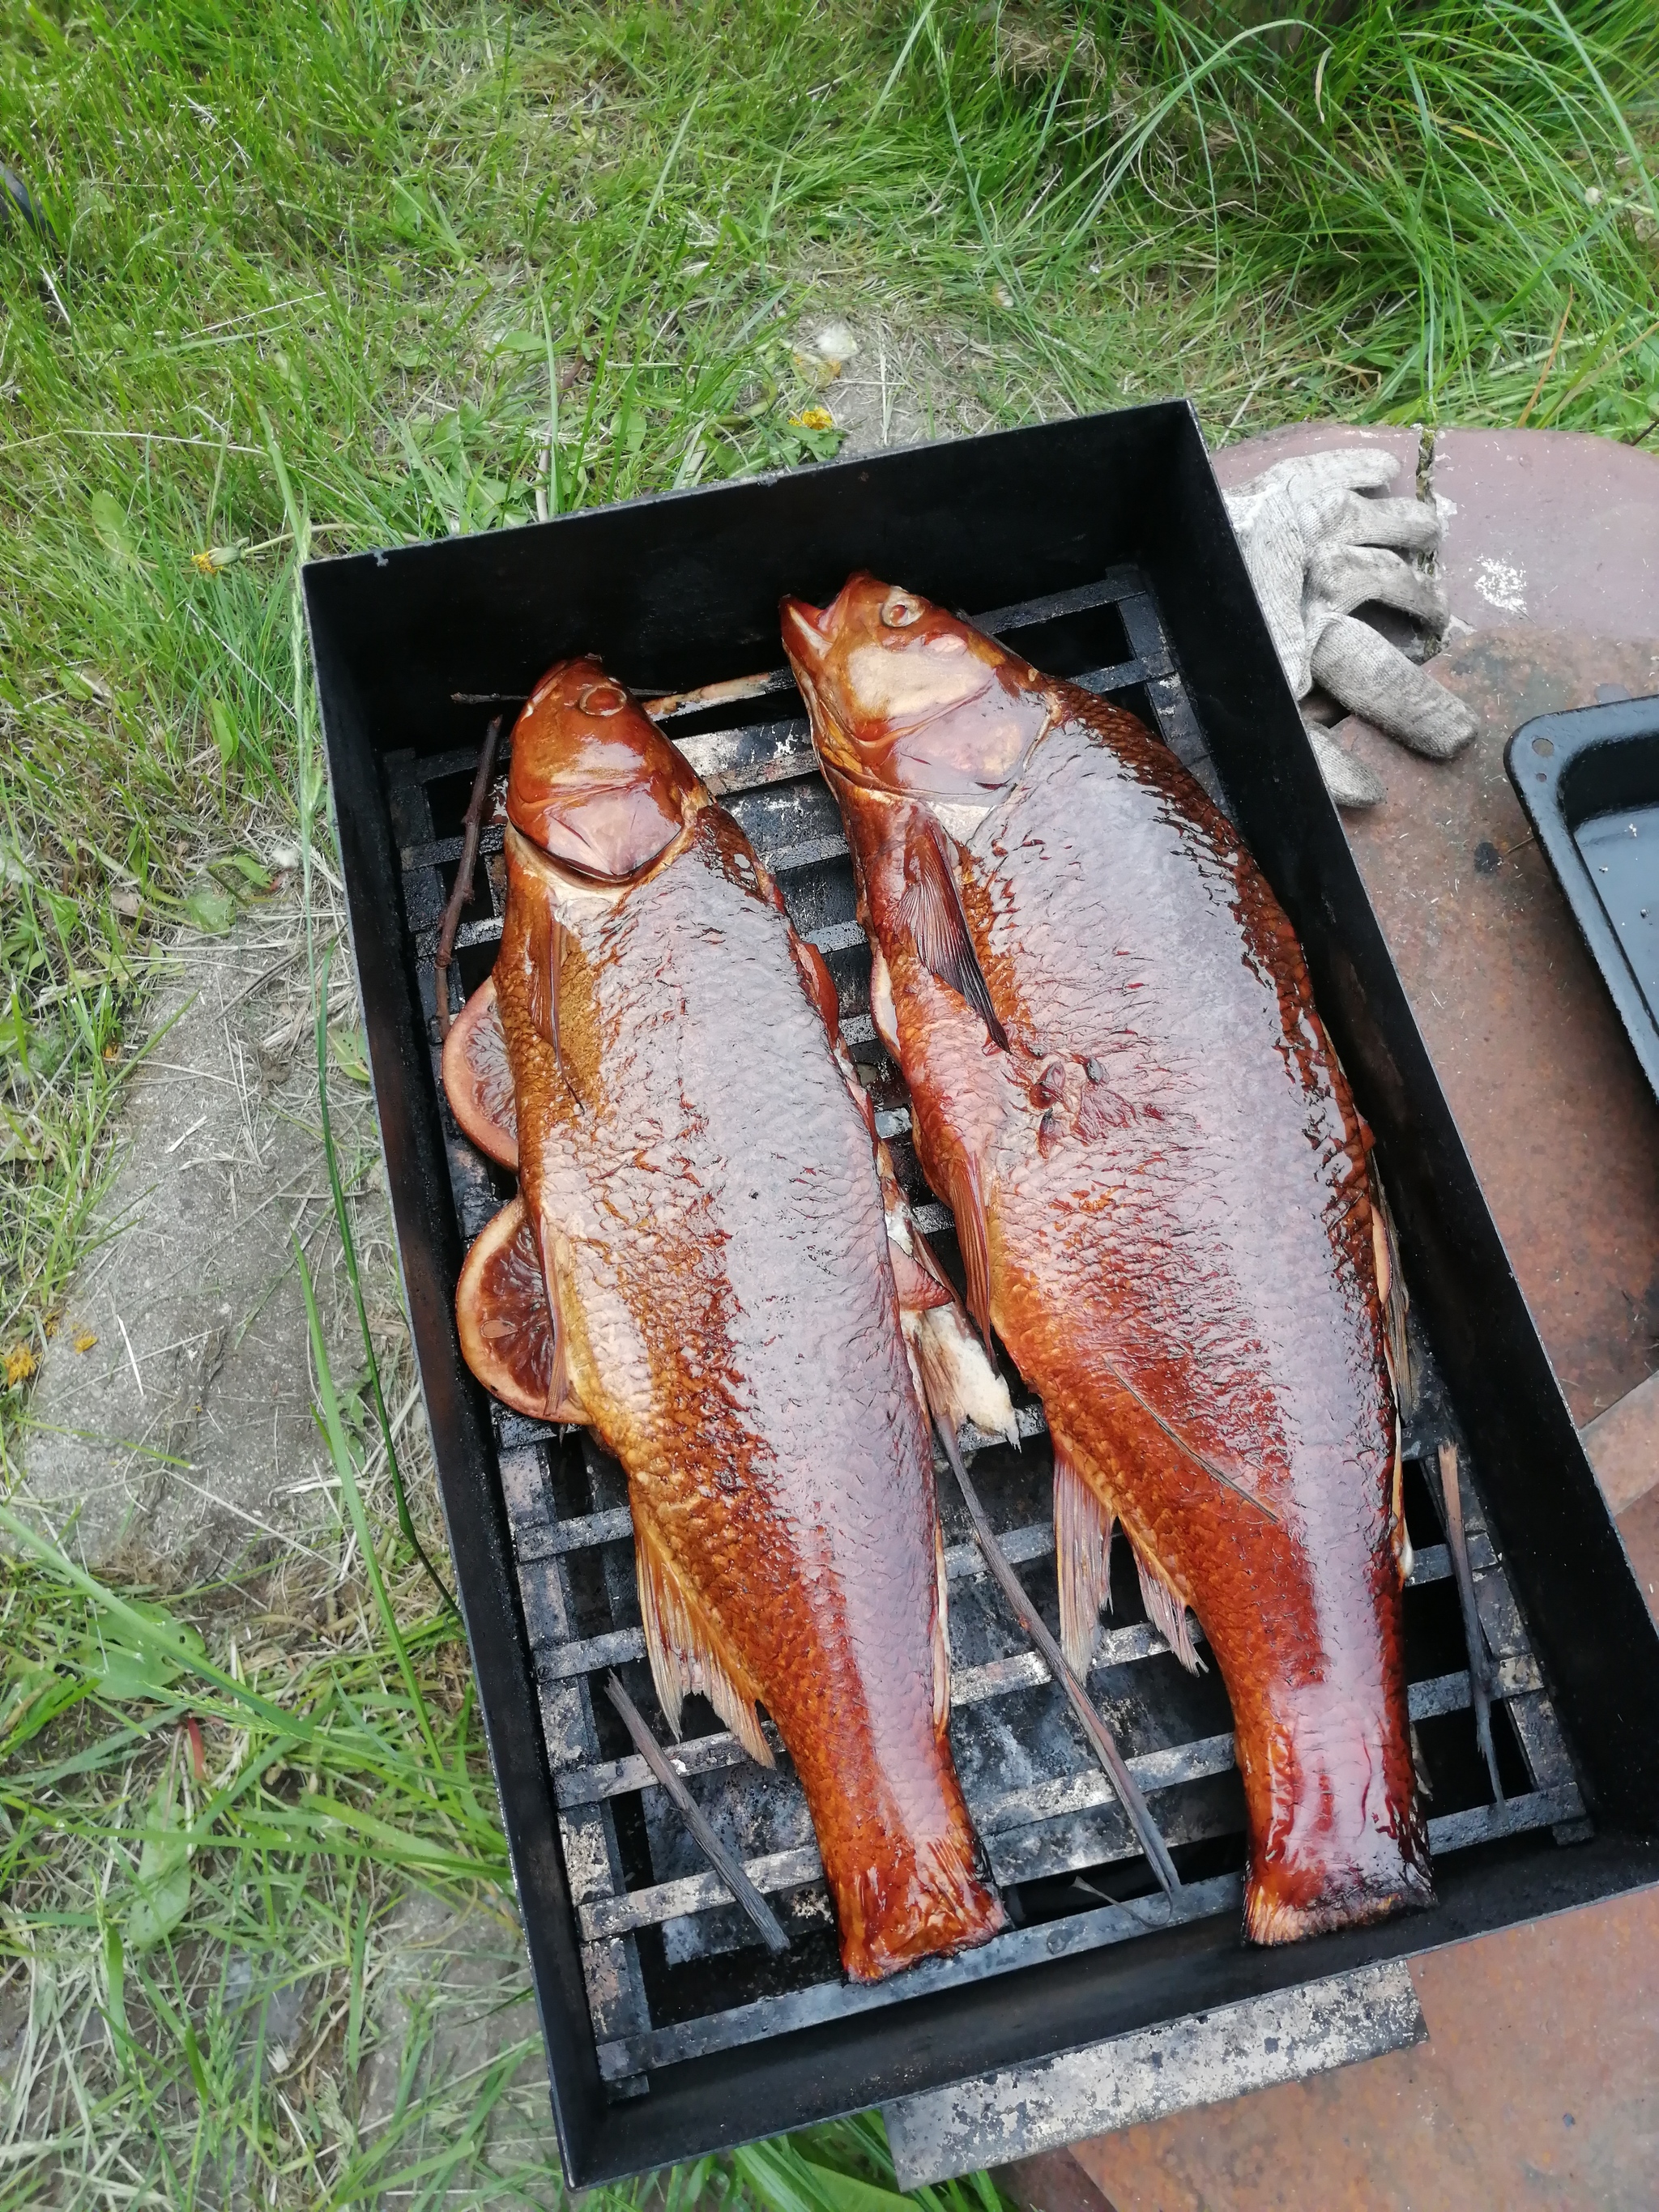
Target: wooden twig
1100, 1736
1543, 375
1480, 1668
724, 1861
463, 890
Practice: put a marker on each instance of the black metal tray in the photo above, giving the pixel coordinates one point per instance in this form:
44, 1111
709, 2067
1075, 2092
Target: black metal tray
1102, 543
1588, 782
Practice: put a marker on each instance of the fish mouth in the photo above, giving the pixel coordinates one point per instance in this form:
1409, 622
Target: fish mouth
807, 630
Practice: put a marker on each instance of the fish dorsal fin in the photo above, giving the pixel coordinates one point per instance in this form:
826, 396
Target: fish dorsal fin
684, 1648
478, 1076
1083, 1556
1165, 1608
509, 1335
931, 914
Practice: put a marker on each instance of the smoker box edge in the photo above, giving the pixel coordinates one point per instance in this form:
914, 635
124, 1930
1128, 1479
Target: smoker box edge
682, 589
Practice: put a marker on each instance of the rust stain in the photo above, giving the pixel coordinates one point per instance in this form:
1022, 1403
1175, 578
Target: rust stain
1562, 1128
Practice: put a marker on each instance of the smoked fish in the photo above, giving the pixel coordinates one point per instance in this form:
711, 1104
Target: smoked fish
710, 1264
1120, 1085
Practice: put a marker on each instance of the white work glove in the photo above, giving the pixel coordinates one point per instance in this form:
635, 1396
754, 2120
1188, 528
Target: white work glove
1317, 548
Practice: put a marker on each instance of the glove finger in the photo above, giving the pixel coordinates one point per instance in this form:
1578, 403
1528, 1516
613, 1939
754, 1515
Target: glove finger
1343, 517
1313, 475
1275, 557
1348, 576
1349, 781
1359, 666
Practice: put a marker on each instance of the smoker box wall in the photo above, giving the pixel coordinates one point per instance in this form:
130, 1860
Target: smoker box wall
683, 590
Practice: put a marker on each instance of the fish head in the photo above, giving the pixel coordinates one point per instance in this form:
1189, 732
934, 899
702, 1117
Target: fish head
908, 697
593, 782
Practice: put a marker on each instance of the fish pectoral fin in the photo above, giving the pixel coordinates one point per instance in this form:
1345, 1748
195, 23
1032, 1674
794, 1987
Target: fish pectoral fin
1165, 1608
958, 1381
684, 1648
509, 1337
1391, 1289
817, 981
967, 1203
544, 948
1083, 1558
477, 1077
930, 914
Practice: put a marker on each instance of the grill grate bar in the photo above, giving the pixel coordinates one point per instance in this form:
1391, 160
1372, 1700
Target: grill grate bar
1110, 590
1055, 1939
1021, 1670
1064, 1796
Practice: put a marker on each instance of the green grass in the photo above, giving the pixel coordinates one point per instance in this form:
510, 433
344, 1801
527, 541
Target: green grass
443, 268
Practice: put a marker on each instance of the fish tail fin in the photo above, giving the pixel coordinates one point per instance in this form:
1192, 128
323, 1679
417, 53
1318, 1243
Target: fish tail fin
941, 1903
685, 1649
1338, 1831
1083, 1556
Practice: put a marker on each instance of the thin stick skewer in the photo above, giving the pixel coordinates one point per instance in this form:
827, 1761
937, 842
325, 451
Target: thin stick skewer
723, 1862
1480, 1683
472, 829
1100, 1736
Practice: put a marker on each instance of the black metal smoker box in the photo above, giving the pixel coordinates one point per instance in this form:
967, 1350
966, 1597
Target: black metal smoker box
1102, 545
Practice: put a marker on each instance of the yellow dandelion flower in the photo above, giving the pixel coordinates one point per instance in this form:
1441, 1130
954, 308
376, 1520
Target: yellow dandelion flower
21, 1363
813, 418
84, 1339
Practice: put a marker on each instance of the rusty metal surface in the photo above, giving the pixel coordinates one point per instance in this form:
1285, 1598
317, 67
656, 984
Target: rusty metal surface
1552, 527
1623, 1444
1051, 2182
1539, 2086
1539, 2083
1562, 1129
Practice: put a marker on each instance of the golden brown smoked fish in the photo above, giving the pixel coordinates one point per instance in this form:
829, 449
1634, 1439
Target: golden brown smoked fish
698, 1267
1120, 1085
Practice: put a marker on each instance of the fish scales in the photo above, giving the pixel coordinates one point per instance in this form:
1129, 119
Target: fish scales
701, 1190
1172, 1180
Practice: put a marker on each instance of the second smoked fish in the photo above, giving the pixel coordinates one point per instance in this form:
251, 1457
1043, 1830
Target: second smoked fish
1120, 1084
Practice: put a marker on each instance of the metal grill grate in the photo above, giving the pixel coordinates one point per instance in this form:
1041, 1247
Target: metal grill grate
673, 1970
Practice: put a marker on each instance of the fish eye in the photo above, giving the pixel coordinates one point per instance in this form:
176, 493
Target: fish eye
899, 612
601, 701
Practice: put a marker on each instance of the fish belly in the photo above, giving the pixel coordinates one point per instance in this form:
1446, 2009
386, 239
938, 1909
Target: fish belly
713, 1237
1177, 1221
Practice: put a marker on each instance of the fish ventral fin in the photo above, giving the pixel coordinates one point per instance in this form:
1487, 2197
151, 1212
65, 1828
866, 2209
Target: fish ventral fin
477, 1077
510, 1337
1166, 1610
685, 1649
1083, 1557
931, 914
